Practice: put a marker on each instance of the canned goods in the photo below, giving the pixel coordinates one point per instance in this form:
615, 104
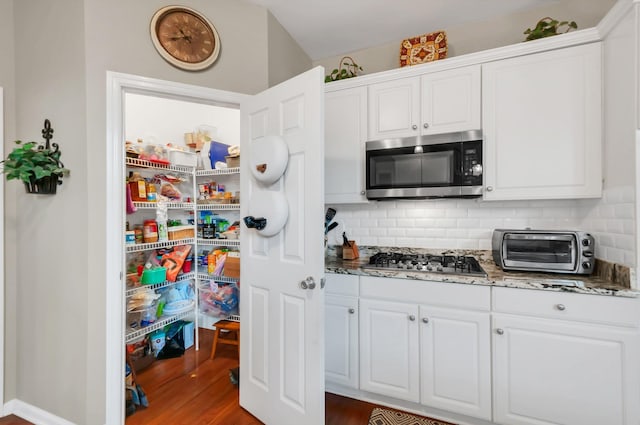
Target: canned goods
150, 231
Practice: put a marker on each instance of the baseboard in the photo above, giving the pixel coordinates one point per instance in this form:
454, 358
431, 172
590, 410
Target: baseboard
32, 413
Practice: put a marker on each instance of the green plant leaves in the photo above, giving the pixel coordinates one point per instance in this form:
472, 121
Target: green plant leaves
347, 69
29, 161
547, 27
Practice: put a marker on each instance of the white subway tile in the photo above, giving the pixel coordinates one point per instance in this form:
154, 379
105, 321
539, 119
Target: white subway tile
457, 233
378, 231
387, 222
491, 223
606, 211
624, 211
629, 258
484, 244
515, 223
628, 194
468, 223
387, 242
456, 213
467, 244
396, 212
615, 255
406, 241
425, 222
370, 241
625, 242
446, 223
396, 231
434, 233
629, 227
368, 222
480, 233
481, 213
529, 212
359, 231
406, 222
615, 226
378, 213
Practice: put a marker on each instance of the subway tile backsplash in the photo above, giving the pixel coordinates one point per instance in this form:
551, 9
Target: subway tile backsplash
468, 223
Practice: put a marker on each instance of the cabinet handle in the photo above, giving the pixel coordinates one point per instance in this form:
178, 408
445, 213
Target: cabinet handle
500, 331
489, 188
561, 307
352, 310
415, 127
362, 192
426, 125
425, 320
412, 317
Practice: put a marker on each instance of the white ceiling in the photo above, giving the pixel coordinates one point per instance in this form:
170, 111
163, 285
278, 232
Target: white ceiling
325, 28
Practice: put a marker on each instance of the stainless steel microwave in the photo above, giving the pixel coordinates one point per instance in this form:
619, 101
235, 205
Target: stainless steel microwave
444, 165
544, 250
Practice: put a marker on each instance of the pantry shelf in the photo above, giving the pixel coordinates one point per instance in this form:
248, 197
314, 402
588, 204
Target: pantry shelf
181, 278
220, 279
141, 163
170, 205
212, 207
218, 172
158, 324
156, 245
219, 242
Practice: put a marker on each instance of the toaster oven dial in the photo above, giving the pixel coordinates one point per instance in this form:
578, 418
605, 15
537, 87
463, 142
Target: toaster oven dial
586, 265
586, 242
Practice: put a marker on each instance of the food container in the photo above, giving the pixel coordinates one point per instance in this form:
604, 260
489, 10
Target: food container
130, 237
178, 157
232, 161
153, 276
180, 232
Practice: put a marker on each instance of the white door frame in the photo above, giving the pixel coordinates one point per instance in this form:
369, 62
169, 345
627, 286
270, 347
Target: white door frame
118, 85
2, 283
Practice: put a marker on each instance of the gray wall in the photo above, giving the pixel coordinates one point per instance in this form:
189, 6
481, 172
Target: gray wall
477, 36
7, 82
286, 57
51, 249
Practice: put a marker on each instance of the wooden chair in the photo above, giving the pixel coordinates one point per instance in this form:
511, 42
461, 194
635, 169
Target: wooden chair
233, 332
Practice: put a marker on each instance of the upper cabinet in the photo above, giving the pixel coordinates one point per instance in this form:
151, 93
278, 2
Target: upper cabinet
345, 134
439, 102
542, 125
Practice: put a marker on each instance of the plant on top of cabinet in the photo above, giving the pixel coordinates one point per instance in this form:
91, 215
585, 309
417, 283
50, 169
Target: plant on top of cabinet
350, 70
39, 167
546, 27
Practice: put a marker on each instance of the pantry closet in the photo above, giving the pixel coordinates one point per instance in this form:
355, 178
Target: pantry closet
194, 205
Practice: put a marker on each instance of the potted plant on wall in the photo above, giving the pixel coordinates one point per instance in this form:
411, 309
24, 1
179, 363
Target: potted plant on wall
38, 166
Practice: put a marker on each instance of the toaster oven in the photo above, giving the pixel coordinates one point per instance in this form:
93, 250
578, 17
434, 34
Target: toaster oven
554, 251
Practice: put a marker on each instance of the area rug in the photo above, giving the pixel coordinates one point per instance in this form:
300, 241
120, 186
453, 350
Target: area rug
391, 417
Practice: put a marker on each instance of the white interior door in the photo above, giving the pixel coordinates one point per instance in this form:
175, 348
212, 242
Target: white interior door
282, 337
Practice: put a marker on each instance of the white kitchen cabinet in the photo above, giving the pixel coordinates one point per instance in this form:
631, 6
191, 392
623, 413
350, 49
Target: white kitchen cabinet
451, 100
389, 358
345, 135
440, 102
341, 330
455, 360
542, 125
570, 371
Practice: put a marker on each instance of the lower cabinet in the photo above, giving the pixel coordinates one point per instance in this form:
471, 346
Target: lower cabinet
455, 359
563, 367
341, 330
389, 349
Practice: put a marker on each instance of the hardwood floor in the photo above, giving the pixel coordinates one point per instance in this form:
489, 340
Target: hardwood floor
180, 393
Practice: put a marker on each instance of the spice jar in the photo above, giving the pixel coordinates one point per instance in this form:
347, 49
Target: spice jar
150, 231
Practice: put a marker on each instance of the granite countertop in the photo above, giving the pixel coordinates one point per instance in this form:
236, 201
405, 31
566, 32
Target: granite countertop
594, 285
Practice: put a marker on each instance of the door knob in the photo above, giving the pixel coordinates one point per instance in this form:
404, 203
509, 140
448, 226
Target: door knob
311, 283
303, 284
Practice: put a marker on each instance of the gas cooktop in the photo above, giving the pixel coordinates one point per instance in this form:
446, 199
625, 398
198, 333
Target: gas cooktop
446, 264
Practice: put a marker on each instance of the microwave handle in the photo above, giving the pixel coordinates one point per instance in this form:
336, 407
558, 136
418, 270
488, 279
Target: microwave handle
534, 237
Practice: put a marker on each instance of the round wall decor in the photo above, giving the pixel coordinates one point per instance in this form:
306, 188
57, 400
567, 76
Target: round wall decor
185, 38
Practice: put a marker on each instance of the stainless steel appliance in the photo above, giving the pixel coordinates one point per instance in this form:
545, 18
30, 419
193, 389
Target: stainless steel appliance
446, 264
444, 165
555, 251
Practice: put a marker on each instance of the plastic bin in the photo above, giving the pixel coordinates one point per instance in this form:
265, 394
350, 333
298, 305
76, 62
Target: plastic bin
217, 152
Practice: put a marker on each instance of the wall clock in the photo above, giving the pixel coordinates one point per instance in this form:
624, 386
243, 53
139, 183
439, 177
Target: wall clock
184, 37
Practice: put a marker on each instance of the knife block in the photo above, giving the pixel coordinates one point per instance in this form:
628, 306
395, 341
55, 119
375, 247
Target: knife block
350, 252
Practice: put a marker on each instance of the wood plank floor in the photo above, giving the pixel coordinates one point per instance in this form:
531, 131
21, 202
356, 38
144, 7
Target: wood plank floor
193, 390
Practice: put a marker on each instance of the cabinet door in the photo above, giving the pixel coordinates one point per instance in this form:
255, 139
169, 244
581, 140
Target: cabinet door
345, 134
556, 372
455, 360
394, 109
389, 349
341, 340
542, 125
451, 100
